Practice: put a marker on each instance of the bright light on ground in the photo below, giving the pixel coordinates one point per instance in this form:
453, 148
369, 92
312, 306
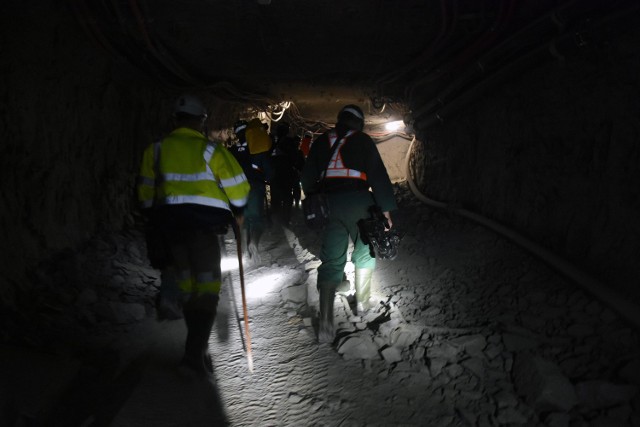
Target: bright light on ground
264, 285
228, 264
394, 126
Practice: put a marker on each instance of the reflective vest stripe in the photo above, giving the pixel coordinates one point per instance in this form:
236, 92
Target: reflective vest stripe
203, 283
238, 179
346, 173
239, 202
199, 200
336, 167
164, 180
192, 177
208, 283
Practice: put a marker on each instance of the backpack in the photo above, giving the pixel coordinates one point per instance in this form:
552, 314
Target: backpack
257, 137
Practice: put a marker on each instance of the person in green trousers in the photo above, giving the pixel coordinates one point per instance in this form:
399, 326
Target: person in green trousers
354, 178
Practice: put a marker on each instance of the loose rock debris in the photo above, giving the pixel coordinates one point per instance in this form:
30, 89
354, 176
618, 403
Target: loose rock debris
469, 330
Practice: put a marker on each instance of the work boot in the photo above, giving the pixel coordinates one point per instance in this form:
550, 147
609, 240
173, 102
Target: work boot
252, 252
363, 290
326, 333
196, 349
168, 309
345, 286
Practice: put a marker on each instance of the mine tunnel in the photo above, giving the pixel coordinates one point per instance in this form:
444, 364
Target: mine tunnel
509, 130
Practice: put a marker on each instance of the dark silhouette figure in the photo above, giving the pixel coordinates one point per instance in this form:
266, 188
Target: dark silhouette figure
285, 175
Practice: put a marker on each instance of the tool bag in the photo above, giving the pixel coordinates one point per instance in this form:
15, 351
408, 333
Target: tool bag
316, 210
258, 139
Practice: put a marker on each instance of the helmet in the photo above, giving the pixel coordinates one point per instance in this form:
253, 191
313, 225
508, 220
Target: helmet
189, 104
239, 126
352, 116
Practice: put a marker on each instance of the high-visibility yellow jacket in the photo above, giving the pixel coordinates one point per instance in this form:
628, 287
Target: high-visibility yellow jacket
185, 168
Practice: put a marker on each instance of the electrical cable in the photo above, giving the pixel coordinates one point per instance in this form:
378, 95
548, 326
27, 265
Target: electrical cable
504, 17
612, 298
439, 109
387, 137
427, 54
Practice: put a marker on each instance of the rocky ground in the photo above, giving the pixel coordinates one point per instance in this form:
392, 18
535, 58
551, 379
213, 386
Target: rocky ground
470, 331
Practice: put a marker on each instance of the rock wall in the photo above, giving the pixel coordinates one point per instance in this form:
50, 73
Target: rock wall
553, 153
393, 152
74, 124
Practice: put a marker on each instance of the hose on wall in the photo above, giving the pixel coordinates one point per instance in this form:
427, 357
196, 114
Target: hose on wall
613, 299
506, 60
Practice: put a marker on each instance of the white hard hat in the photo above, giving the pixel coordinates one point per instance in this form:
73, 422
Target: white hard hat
190, 104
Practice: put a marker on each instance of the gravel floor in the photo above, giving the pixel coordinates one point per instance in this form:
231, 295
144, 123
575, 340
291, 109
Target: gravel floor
470, 331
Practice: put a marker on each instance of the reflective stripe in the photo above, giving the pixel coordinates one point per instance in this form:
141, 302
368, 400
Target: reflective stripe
209, 287
188, 177
204, 283
238, 179
208, 283
192, 177
239, 202
208, 154
346, 173
199, 200
336, 167
165, 180
185, 282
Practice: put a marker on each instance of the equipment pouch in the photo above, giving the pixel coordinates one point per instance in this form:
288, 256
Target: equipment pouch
316, 210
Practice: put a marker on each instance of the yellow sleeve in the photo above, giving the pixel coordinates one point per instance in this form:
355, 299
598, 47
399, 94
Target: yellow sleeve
231, 177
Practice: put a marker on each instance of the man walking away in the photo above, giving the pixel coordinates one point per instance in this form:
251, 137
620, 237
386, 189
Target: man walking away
354, 179
285, 175
192, 189
256, 163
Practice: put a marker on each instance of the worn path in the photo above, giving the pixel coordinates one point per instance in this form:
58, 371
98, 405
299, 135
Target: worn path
470, 331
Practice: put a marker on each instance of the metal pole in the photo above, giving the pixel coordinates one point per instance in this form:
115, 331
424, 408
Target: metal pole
236, 231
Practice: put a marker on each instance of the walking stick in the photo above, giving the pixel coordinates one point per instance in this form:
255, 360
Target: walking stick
236, 231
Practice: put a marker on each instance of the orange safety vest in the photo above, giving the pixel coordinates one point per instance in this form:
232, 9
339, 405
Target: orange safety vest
336, 168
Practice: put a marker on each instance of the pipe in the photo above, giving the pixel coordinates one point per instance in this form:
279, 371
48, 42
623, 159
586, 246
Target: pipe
431, 49
484, 41
566, 41
491, 59
612, 298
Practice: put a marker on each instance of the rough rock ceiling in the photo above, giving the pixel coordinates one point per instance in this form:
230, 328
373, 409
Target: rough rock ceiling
320, 54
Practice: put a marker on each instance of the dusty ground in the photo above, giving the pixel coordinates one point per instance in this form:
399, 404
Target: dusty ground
470, 331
